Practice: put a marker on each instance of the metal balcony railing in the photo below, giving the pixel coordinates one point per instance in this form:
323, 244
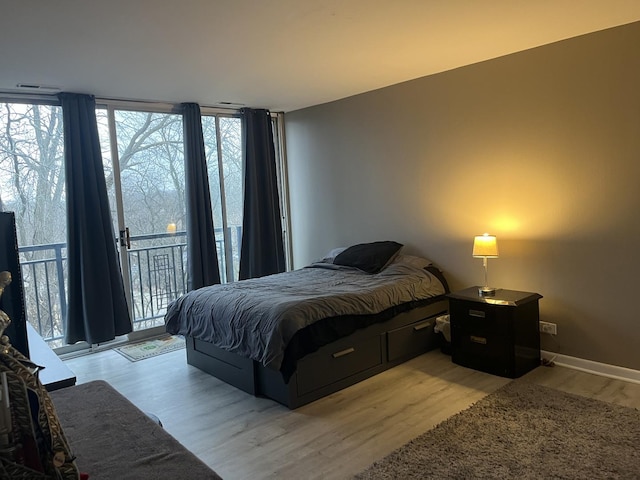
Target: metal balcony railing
44, 278
157, 272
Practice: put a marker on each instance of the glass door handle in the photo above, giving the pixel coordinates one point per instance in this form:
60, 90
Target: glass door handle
125, 238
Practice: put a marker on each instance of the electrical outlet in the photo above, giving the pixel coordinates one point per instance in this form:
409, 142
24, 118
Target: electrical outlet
548, 327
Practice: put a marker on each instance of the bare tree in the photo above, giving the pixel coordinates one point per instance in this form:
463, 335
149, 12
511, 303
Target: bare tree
32, 171
151, 161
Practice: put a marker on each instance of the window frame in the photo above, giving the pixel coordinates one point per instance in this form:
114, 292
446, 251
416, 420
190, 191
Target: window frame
112, 104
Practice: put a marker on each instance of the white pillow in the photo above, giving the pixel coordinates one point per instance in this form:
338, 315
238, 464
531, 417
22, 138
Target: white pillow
329, 257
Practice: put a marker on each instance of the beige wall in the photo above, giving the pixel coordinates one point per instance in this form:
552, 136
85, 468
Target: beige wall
541, 148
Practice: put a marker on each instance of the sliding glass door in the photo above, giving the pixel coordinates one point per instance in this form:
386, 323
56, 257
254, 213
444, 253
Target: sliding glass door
144, 169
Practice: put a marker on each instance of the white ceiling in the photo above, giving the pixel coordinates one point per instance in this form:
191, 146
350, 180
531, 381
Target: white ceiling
277, 54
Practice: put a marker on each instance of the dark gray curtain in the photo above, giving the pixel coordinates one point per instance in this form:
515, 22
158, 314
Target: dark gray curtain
97, 310
202, 256
262, 251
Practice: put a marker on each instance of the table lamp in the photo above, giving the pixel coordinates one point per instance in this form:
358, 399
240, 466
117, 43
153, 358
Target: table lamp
485, 247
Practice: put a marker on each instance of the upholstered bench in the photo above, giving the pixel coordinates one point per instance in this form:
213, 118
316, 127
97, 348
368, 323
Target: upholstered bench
112, 439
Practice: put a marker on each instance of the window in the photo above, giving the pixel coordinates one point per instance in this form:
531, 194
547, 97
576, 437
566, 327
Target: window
225, 165
143, 157
223, 149
32, 184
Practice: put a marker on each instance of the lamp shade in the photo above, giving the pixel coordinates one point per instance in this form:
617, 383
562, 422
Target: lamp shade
485, 246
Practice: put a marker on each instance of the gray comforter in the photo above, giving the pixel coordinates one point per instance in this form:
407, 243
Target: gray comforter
256, 318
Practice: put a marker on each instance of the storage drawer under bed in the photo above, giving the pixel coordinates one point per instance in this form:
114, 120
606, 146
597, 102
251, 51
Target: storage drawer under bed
338, 361
333, 367
411, 340
229, 367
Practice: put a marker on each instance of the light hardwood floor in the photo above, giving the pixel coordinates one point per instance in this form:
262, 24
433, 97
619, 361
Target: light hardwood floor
244, 437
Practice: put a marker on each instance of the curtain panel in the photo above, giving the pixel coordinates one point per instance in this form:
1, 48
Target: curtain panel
97, 310
202, 255
262, 249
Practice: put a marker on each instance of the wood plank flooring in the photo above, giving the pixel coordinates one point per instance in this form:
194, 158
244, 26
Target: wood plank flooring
244, 437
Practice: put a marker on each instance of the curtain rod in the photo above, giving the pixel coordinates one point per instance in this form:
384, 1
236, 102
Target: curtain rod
145, 105
47, 98
160, 107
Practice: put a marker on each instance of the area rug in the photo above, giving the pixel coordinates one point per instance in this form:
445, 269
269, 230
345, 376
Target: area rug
151, 348
523, 431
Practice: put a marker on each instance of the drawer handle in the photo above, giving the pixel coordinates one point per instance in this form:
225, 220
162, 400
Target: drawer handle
422, 326
476, 313
480, 340
344, 352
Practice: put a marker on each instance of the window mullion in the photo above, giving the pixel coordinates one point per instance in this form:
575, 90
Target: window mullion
228, 253
115, 162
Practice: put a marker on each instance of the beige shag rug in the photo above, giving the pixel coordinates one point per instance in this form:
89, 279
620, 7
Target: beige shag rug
523, 431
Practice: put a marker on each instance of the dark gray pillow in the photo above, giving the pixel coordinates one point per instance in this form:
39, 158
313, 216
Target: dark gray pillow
369, 257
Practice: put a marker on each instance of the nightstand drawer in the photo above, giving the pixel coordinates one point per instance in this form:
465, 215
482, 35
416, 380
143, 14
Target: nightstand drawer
471, 315
482, 351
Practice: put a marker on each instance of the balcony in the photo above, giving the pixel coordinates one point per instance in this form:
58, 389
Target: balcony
157, 272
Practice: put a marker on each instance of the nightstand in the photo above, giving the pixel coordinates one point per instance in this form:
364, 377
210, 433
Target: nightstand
498, 334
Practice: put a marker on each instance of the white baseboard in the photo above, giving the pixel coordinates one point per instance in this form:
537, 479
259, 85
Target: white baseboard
597, 368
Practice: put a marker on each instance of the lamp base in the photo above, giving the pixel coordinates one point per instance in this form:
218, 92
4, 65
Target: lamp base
486, 291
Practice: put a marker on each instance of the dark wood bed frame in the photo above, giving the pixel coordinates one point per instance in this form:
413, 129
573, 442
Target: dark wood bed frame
333, 367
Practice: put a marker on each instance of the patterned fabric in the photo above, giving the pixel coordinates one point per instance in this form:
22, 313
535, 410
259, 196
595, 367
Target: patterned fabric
37, 447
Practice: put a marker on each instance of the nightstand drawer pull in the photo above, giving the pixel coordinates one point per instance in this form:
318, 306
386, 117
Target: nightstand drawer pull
344, 352
476, 313
422, 326
480, 340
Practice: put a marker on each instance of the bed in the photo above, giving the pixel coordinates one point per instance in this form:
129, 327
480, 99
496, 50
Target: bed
298, 336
